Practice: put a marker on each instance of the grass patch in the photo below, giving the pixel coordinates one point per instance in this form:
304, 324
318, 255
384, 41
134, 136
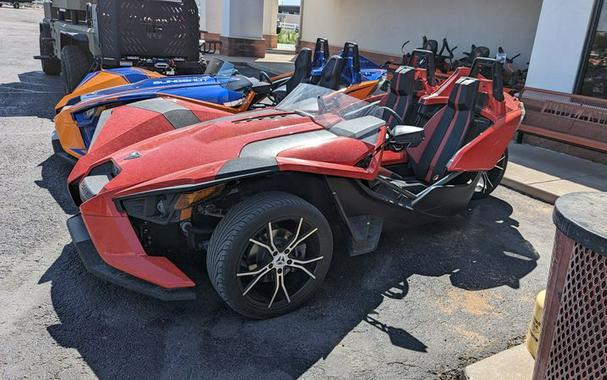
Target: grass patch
287, 37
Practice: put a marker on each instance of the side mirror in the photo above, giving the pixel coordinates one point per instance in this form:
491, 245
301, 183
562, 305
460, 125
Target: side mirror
406, 136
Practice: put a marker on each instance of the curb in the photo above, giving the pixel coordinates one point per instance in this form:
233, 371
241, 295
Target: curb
530, 190
515, 363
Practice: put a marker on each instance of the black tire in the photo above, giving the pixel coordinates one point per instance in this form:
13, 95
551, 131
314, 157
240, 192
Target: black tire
50, 66
16, 5
75, 64
491, 179
230, 247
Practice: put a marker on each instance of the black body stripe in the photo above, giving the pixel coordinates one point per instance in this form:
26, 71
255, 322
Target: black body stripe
453, 143
434, 143
181, 118
175, 114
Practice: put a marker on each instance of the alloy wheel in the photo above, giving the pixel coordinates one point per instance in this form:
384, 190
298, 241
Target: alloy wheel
279, 262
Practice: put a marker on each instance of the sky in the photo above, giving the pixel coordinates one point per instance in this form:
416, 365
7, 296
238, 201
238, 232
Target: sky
288, 2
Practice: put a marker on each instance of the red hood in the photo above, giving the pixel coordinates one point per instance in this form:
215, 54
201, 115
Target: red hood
123, 126
194, 153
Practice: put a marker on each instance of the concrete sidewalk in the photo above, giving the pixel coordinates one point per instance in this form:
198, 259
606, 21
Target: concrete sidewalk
546, 175
515, 363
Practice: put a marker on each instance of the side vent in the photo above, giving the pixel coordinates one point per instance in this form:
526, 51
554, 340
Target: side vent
270, 117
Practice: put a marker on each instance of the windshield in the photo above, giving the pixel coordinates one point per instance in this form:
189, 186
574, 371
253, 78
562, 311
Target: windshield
220, 67
327, 106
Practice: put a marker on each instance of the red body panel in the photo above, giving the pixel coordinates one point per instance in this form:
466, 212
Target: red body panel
187, 148
484, 151
287, 161
121, 130
393, 158
129, 124
340, 150
117, 244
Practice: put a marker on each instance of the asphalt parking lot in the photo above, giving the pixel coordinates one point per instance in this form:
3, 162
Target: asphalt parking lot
428, 302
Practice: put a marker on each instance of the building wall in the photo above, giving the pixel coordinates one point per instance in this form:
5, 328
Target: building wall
202, 5
243, 18
214, 17
270, 15
559, 43
382, 26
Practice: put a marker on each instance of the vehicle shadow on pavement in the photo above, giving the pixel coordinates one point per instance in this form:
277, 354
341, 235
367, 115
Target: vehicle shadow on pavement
121, 334
54, 175
36, 94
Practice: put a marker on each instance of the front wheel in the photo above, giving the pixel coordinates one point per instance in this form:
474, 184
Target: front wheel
269, 254
16, 5
491, 179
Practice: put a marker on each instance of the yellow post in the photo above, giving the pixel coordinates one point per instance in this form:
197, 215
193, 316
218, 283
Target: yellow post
535, 327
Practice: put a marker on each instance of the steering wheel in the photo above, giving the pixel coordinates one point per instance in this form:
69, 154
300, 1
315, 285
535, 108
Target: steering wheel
264, 77
393, 113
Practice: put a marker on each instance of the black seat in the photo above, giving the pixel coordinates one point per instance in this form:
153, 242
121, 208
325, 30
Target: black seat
303, 67
446, 132
431, 45
480, 51
301, 74
331, 73
400, 96
321, 53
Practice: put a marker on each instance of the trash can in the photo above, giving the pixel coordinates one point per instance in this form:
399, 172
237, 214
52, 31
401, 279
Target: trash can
573, 340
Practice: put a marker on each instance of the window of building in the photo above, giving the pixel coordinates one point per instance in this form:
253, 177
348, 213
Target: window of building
593, 73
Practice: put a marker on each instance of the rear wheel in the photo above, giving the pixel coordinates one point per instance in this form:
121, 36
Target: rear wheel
75, 64
269, 254
491, 179
16, 5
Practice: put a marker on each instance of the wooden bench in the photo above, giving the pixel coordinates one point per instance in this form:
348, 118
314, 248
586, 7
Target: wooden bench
566, 118
561, 137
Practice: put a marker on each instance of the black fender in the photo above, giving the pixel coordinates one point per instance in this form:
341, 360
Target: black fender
74, 38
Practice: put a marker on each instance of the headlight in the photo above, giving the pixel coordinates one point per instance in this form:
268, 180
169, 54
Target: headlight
91, 186
167, 208
97, 178
188, 199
